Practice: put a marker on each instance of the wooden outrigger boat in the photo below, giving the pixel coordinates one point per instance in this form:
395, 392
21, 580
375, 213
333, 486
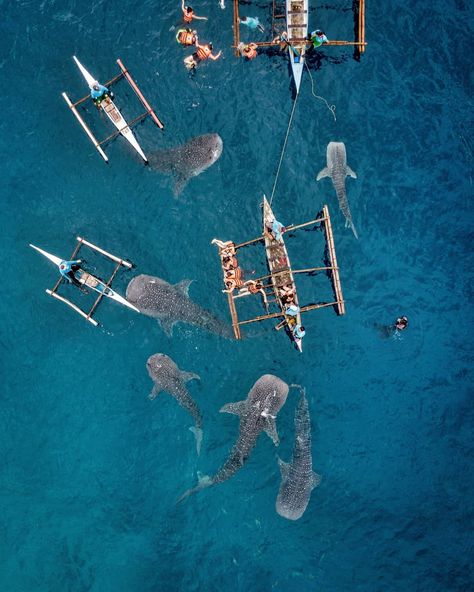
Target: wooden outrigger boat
112, 112
281, 276
87, 280
297, 25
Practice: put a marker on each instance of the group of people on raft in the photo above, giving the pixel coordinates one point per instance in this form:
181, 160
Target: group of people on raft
188, 37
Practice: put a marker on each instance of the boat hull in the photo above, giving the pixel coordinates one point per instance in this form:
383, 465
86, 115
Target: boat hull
297, 24
280, 267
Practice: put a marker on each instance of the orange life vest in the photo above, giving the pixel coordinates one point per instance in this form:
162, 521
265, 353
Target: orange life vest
186, 37
250, 52
188, 14
203, 52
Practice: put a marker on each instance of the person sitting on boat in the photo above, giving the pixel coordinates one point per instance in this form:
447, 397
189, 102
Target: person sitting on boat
68, 270
188, 14
99, 92
202, 53
299, 332
248, 50
233, 279
292, 310
187, 37
317, 38
252, 22
229, 262
287, 293
282, 39
251, 287
226, 249
401, 323
277, 229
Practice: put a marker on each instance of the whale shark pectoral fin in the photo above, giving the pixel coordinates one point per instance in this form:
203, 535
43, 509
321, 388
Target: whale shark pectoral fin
315, 480
271, 429
179, 184
198, 435
325, 172
183, 286
166, 323
155, 391
284, 468
189, 376
350, 172
236, 408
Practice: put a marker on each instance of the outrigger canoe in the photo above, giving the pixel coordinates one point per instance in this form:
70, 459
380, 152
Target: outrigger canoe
281, 274
89, 281
110, 109
297, 24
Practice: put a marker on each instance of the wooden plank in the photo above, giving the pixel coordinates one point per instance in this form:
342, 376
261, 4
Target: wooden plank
361, 39
233, 314
139, 94
332, 257
73, 306
236, 27
85, 127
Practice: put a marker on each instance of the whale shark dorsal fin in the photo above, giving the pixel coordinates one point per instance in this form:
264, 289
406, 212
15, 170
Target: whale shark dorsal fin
271, 429
189, 376
183, 286
284, 468
235, 408
315, 480
350, 172
325, 172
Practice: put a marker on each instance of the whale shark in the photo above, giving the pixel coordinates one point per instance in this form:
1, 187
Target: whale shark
188, 160
257, 414
338, 170
170, 304
298, 478
169, 378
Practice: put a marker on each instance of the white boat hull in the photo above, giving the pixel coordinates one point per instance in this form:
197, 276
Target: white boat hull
110, 109
297, 24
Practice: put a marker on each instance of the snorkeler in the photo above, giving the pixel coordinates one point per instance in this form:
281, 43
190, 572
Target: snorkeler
252, 23
401, 323
202, 53
317, 38
188, 14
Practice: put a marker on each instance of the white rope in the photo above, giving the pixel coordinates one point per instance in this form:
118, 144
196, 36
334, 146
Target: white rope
283, 151
331, 108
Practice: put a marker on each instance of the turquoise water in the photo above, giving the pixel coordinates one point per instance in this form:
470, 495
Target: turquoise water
91, 468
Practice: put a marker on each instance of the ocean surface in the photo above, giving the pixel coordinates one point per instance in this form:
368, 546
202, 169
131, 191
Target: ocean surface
90, 468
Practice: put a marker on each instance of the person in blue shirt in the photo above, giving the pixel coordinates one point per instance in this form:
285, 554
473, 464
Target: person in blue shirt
292, 310
252, 22
68, 268
99, 92
299, 332
277, 230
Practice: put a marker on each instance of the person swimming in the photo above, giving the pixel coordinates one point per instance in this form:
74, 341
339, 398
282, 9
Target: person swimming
187, 37
317, 38
202, 53
188, 14
248, 50
252, 23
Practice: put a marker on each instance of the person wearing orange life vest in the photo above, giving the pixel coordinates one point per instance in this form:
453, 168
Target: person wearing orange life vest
248, 50
188, 14
187, 37
202, 53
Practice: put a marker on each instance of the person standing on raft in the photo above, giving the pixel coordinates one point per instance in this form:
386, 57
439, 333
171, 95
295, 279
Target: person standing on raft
202, 53
188, 14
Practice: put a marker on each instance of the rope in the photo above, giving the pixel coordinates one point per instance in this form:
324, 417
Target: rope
283, 151
331, 108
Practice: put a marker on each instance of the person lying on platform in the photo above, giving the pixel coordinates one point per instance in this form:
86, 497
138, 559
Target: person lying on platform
251, 287
233, 280
317, 38
188, 14
99, 92
68, 269
226, 249
252, 23
202, 53
229, 263
248, 50
299, 332
187, 37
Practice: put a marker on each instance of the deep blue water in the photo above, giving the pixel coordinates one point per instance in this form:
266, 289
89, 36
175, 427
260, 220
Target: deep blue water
91, 468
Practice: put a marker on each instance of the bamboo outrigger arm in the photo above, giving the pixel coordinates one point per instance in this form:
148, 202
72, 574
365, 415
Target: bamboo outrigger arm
85, 127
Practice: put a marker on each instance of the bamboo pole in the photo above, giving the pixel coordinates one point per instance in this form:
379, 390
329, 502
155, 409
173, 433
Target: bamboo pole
286, 271
107, 84
235, 318
85, 127
362, 43
236, 27
317, 306
73, 306
332, 256
334, 43
105, 253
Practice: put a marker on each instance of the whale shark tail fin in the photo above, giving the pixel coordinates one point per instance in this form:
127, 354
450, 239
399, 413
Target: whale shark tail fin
204, 481
325, 172
350, 224
198, 435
